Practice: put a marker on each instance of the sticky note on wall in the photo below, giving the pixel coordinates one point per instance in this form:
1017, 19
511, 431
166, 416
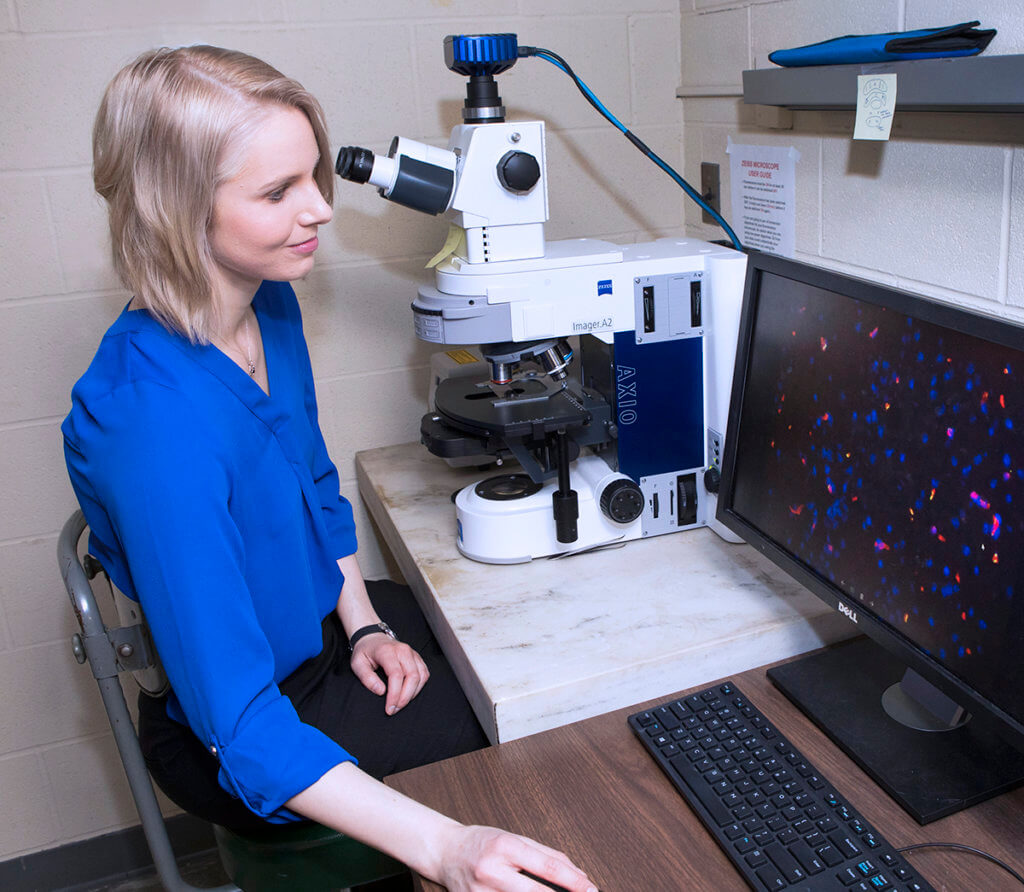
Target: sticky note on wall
876, 102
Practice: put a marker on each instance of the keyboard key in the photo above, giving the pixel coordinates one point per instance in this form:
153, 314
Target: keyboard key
848, 876
788, 835
756, 858
845, 845
830, 855
771, 877
744, 844
807, 857
866, 868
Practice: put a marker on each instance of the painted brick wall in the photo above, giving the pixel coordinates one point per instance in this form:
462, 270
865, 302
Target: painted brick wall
939, 209
378, 69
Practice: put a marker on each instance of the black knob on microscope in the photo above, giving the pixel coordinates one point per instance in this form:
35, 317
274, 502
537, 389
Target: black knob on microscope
712, 479
518, 171
622, 501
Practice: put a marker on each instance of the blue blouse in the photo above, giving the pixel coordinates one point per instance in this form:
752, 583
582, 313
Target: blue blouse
217, 507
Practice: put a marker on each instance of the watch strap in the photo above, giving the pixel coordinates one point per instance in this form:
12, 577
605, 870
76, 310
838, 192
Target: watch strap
370, 630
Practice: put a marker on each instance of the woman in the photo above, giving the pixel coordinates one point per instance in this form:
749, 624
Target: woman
194, 449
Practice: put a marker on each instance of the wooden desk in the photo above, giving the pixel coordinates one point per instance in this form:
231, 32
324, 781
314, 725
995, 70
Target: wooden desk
590, 790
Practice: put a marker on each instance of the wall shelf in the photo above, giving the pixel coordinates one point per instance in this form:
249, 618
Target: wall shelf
971, 84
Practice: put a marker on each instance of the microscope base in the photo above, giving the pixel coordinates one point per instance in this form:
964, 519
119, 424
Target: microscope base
514, 530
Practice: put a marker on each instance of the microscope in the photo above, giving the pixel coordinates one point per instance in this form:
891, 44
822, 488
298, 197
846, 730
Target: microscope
606, 368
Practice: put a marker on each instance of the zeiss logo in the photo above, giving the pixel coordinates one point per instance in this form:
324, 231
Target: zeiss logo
847, 612
604, 287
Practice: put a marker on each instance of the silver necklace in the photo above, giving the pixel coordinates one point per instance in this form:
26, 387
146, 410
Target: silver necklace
248, 349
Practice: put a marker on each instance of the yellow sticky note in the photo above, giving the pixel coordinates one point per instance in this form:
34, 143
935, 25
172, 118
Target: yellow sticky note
456, 239
462, 357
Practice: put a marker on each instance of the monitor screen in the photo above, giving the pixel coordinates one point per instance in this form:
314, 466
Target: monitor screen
875, 450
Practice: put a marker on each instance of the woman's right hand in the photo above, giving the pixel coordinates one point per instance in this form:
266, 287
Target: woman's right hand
485, 859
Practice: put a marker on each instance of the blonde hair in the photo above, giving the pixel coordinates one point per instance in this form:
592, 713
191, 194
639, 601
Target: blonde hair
170, 129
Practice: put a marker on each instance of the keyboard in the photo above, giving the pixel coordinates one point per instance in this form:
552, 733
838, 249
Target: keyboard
778, 820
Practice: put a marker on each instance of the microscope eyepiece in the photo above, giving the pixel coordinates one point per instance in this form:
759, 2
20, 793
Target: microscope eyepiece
355, 164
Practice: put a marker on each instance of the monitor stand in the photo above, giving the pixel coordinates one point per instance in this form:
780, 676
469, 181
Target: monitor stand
931, 774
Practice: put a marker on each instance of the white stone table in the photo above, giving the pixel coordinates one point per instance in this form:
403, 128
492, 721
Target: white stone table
547, 643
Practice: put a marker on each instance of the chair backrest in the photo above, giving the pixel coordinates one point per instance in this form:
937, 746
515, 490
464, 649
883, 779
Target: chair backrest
110, 651
133, 644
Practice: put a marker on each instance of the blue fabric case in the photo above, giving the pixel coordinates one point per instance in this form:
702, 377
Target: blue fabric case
964, 39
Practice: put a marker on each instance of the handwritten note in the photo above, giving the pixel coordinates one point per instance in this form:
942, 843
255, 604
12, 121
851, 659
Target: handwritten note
876, 102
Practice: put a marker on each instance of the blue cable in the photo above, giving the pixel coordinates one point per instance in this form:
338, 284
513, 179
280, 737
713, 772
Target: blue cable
563, 66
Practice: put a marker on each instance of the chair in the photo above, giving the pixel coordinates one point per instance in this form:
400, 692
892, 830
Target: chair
303, 856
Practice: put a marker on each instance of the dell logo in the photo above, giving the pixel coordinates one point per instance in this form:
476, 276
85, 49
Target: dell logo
847, 612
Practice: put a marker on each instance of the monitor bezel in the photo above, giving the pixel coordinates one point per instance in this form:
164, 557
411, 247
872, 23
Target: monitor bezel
991, 328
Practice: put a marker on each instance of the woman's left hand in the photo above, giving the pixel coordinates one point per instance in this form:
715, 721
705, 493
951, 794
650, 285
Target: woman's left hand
405, 670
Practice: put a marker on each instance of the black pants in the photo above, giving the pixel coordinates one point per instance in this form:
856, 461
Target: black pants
436, 724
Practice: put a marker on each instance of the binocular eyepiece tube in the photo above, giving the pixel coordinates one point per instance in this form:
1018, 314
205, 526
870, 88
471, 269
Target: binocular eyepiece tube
417, 175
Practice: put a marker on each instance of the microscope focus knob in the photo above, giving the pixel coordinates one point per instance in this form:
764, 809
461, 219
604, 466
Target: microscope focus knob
622, 501
712, 479
518, 171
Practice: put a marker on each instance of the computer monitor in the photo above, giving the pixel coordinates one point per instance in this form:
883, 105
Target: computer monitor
875, 451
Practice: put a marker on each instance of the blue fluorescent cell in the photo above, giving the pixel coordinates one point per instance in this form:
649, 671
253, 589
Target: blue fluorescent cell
967, 550
961, 651
1006, 460
945, 571
924, 438
982, 624
1009, 424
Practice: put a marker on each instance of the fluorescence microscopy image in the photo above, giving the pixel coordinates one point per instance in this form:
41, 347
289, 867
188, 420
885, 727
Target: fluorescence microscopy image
892, 449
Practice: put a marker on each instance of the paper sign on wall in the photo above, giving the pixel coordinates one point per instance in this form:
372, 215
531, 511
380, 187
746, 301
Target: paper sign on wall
876, 101
764, 196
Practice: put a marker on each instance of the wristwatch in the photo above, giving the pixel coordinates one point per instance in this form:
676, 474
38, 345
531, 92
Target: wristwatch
370, 630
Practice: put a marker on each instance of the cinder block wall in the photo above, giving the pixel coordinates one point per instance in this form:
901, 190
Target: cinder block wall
378, 69
939, 209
